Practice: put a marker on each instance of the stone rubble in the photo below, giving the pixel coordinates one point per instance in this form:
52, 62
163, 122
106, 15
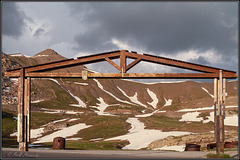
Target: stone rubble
201, 139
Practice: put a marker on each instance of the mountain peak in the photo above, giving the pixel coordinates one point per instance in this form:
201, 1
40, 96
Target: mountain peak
47, 52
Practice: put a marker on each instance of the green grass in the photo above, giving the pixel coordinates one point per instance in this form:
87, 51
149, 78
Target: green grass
204, 115
38, 119
103, 127
92, 101
127, 107
10, 142
175, 105
172, 124
61, 99
154, 122
210, 155
9, 125
86, 145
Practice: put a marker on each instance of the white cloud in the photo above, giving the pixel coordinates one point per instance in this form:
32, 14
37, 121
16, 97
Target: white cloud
190, 55
120, 44
125, 45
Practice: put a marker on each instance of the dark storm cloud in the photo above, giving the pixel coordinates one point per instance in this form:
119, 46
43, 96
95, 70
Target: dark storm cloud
94, 41
13, 23
38, 32
158, 26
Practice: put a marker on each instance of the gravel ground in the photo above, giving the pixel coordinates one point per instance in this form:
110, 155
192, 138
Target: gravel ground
105, 154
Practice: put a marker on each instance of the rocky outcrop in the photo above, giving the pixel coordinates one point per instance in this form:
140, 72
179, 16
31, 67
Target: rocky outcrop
9, 86
55, 126
201, 139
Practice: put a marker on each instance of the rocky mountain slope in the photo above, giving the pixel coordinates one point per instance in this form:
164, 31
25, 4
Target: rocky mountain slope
94, 98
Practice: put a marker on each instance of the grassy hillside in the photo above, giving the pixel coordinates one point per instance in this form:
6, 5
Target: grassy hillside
103, 127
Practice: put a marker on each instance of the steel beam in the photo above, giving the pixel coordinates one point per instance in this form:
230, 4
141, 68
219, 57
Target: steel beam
129, 75
112, 63
74, 62
135, 62
123, 61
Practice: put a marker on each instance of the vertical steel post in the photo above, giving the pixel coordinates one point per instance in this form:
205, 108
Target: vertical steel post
123, 62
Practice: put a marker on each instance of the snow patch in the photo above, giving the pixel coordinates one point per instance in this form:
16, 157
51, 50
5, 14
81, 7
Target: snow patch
84, 84
139, 137
13, 134
228, 121
161, 111
167, 102
73, 119
207, 92
27, 56
96, 139
153, 82
201, 109
35, 133
101, 107
80, 102
52, 111
192, 116
101, 87
37, 101
73, 112
54, 80
41, 55
231, 120
65, 132
134, 98
72, 139
154, 98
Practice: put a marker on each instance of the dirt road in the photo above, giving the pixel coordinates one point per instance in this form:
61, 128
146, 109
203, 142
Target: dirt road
104, 154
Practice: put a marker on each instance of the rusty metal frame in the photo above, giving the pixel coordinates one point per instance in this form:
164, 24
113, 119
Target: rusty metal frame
39, 70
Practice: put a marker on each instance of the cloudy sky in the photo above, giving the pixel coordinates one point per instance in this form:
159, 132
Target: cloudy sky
198, 32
